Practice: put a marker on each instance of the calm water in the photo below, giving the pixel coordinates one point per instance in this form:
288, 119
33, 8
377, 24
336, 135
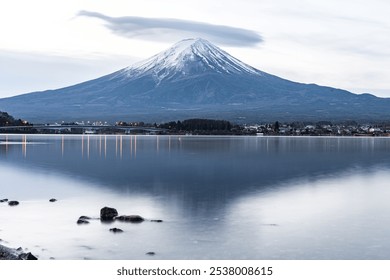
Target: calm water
219, 197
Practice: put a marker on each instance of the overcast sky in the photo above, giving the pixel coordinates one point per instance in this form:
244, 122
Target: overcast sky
47, 44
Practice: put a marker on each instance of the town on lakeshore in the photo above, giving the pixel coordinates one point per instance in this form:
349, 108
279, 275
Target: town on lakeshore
197, 127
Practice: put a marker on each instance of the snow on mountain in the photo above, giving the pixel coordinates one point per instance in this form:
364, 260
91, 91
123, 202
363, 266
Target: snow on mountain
186, 58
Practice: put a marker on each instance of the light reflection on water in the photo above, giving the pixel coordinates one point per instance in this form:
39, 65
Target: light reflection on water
219, 197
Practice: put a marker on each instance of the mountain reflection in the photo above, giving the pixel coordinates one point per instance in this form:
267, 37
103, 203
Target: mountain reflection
209, 170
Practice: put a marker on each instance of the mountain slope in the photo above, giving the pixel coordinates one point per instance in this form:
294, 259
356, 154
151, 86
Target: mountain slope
194, 78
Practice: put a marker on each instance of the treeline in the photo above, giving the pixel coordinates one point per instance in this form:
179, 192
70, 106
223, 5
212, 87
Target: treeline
198, 124
201, 127
8, 120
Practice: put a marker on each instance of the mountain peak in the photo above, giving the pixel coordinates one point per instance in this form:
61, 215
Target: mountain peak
194, 43
189, 57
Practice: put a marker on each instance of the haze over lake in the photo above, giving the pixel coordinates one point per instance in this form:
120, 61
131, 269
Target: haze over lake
218, 197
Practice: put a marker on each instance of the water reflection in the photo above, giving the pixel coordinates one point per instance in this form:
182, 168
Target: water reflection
201, 172
338, 218
194, 165
286, 197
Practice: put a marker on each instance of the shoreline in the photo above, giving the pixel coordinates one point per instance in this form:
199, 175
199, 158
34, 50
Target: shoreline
8, 253
12, 254
7, 141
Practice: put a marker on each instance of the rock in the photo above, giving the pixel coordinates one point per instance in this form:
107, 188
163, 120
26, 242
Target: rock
115, 230
82, 221
84, 218
52, 200
150, 253
3, 200
8, 254
31, 257
130, 218
13, 203
157, 221
27, 256
107, 213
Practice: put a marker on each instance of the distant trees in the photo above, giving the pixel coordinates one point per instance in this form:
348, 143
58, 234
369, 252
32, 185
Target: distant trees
276, 126
200, 126
5, 119
8, 120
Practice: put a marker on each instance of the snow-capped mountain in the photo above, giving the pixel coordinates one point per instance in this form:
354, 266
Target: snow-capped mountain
188, 57
194, 78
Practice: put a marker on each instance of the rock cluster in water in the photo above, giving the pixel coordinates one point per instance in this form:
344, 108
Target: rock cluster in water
109, 214
18, 254
106, 214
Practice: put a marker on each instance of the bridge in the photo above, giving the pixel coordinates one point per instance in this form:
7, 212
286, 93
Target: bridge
87, 129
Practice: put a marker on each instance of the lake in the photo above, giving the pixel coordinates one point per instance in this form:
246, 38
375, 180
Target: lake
218, 197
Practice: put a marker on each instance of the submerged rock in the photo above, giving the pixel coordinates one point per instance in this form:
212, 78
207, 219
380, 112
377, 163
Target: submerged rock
3, 200
107, 213
84, 218
52, 200
157, 221
115, 230
13, 203
82, 221
150, 253
130, 218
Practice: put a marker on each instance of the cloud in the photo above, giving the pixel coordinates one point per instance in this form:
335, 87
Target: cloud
164, 29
